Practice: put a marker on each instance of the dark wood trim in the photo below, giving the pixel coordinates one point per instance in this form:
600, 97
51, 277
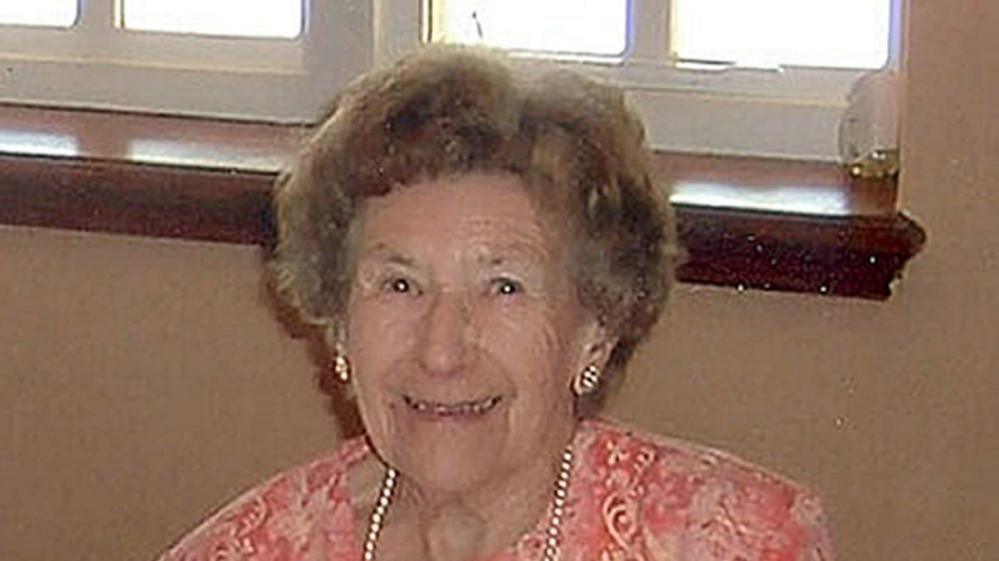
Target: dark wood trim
856, 256
843, 237
788, 226
138, 199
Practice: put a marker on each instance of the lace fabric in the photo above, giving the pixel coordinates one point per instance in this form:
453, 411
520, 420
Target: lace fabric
633, 496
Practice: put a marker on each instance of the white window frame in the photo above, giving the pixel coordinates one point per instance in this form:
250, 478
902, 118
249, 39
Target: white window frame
789, 113
97, 65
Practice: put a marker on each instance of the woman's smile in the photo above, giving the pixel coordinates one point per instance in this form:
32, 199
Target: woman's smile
471, 409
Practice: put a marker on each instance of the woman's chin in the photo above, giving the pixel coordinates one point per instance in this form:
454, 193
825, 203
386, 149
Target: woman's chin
451, 448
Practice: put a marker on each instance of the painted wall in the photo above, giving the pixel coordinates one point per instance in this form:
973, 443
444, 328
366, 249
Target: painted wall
144, 382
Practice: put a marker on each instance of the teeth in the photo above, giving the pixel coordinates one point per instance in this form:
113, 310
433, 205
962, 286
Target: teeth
452, 409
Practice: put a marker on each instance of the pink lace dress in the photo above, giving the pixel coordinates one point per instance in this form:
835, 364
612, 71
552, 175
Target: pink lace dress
632, 497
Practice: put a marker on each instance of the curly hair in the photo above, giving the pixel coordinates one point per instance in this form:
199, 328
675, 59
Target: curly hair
448, 111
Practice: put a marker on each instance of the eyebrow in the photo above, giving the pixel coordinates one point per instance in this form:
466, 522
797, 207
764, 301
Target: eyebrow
499, 255
382, 252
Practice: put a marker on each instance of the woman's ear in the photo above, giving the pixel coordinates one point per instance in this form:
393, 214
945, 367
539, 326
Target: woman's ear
597, 345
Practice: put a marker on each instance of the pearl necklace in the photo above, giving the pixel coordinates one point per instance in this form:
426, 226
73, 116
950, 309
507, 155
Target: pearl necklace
552, 535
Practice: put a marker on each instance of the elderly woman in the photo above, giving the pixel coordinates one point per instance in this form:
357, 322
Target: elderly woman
484, 247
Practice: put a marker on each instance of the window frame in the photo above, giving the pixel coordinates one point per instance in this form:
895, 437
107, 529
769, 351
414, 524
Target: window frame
95, 64
791, 112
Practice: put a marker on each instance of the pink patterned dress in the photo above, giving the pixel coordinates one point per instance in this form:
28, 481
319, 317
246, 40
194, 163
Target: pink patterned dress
632, 497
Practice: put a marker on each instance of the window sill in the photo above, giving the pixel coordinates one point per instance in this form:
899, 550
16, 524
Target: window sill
745, 222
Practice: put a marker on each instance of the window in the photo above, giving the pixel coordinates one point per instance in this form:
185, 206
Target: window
710, 76
54, 13
769, 77
760, 34
848, 34
281, 19
278, 60
599, 29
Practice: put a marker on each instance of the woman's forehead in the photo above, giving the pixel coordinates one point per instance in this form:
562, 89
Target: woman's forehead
483, 253
485, 221
496, 206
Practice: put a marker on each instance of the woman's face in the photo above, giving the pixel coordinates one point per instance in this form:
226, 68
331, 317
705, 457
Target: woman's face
464, 331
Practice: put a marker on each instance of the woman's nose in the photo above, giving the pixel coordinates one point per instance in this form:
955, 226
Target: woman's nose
447, 333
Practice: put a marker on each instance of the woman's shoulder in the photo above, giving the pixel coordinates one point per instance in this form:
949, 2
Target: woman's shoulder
618, 444
693, 496
287, 512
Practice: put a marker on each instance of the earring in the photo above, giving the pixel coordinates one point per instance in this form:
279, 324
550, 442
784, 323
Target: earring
341, 367
587, 381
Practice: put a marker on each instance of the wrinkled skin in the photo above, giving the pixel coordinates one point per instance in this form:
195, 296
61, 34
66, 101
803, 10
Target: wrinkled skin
465, 332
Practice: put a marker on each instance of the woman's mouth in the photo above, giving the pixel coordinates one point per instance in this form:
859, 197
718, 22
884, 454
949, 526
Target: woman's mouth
454, 409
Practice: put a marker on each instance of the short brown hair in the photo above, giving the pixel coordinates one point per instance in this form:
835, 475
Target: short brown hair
447, 111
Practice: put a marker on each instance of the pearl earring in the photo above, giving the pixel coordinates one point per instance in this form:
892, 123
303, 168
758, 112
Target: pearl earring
341, 367
587, 381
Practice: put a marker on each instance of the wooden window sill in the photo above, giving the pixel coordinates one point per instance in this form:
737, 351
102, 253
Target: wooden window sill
745, 222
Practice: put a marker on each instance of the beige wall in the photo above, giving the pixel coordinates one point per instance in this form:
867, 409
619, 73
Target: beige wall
143, 381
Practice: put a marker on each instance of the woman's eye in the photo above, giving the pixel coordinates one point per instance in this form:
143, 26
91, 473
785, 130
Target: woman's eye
399, 285
507, 287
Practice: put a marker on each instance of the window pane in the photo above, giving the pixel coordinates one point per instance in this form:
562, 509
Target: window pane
825, 33
261, 18
596, 27
59, 13
38, 143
